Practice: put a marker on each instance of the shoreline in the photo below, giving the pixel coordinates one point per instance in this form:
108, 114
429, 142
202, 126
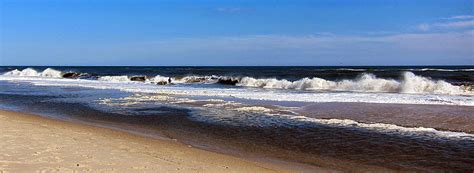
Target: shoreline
33, 143
440, 117
321, 151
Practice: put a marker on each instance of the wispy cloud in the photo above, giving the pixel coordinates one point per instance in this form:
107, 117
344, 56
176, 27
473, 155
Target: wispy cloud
461, 17
328, 49
453, 22
459, 24
443, 45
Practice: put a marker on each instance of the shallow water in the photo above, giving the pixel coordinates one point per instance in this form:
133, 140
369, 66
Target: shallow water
346, 130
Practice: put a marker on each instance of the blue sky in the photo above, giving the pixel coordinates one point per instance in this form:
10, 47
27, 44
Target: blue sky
175, 32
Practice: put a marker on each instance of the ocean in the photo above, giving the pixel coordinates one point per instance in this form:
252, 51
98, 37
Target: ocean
347, 118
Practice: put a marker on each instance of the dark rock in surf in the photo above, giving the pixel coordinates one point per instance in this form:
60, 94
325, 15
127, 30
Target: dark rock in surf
71, 75
138, 78
228, 81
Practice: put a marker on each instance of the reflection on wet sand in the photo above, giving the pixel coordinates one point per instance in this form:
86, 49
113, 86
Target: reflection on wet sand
443, 117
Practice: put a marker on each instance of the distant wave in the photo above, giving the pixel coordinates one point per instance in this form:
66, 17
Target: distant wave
114, 78
29, 72
438, 69
408, 69
410, 83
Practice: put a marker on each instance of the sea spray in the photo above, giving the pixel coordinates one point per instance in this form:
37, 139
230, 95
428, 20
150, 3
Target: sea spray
29, 72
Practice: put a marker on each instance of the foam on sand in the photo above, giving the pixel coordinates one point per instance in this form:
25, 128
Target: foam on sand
219, 116
258, 109
388, 128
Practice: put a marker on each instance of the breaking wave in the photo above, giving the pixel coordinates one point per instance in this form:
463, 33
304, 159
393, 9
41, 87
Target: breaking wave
29, 72
160, 79
409, 82
197, 79
114, 78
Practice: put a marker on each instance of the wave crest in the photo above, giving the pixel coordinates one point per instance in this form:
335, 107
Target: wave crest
49, 72
417, 84
409, 82
160, 79
114, 78
29, 72
365, 83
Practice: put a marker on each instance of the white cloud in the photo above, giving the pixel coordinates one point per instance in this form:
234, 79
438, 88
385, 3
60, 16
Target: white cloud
461, 17
324, 49
453, 22
414, 48
459, 24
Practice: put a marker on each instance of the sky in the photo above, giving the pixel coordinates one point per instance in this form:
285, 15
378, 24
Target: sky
236, 33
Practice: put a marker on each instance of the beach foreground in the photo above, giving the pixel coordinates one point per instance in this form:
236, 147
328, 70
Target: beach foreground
31, 143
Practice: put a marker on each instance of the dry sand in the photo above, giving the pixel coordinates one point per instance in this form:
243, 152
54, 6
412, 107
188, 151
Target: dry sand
30, 143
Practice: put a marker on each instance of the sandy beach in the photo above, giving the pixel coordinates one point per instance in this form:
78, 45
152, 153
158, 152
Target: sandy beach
32, 143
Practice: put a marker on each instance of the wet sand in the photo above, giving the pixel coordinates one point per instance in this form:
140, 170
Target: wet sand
336, 148
441, 117
32, 143
309, 145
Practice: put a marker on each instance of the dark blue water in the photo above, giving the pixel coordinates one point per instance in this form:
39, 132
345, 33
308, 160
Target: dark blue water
452, 74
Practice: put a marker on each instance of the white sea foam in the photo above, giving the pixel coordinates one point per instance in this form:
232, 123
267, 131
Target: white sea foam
258, 109
417, 84
29, 72
410, 83
216, 115
49, 72
223, 105
24, 72
255, 94
365, 83
114, 78
159, 78
369, 89
284, 119
197, 79
386, 128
